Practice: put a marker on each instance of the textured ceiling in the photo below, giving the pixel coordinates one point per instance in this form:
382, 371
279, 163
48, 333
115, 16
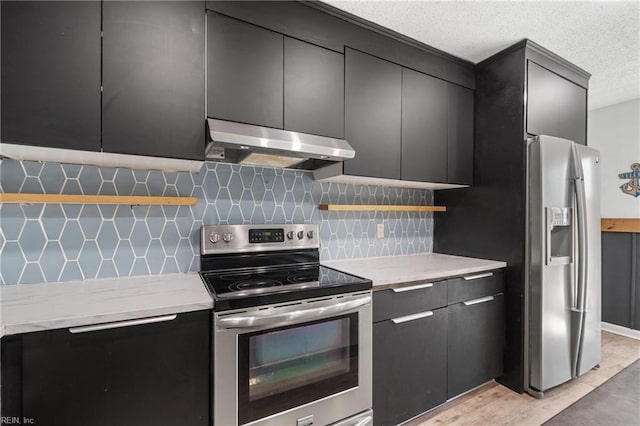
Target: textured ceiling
601, 37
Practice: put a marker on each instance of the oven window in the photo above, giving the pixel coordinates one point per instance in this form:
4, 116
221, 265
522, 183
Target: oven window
290, 366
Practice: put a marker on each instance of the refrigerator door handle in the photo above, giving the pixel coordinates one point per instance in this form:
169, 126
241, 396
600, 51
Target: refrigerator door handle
581, 207
581, 296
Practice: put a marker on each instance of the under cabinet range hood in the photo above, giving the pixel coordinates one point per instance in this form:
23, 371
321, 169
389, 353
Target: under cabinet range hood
263, 146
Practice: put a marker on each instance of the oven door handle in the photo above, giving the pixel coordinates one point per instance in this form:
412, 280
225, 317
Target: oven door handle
292, 317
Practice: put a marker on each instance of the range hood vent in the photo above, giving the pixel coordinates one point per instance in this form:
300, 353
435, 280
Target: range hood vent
263, 146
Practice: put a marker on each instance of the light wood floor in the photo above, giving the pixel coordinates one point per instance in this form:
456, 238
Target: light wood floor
494, 404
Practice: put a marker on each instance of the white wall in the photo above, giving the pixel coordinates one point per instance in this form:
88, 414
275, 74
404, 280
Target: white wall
615, 132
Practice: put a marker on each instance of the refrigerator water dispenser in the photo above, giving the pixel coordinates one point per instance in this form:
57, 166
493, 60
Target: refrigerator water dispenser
559, 235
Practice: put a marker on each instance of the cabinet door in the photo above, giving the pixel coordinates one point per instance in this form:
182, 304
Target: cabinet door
475, 342
617, 278
153, 78
11, 376
51, 74
409, 367
244, 72
424, 128
152, 374
635, 258
555, 106
373, 90
460, 135
313, 89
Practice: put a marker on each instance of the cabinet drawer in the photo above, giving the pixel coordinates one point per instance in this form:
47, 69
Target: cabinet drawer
156, 373
409, 366
473, 286
408, 300
475, 337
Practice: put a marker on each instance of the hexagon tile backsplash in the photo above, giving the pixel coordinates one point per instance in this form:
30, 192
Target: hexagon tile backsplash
54, 242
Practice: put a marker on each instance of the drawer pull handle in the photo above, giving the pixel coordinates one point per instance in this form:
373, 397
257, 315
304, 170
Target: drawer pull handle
413, 317
478, 276
128, 323
412, 287
476, 301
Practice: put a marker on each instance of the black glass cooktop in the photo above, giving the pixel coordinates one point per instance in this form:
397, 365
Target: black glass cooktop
256, 286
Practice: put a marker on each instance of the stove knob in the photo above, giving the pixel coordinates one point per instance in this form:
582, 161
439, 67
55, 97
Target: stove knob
290, 235
227, 237
310, 235
300, 235
214, 238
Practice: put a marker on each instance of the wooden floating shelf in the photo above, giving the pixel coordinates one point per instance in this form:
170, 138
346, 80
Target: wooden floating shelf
620, 225
96, 199
384, 208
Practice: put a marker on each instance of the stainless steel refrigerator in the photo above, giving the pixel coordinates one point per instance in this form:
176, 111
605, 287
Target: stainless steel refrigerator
563, 262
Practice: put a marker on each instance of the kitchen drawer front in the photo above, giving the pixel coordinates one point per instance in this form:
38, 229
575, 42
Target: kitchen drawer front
473, 286
408, 300
475, 338
409, 366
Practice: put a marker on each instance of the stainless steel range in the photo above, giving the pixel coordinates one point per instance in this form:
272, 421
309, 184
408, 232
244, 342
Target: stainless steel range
291, 338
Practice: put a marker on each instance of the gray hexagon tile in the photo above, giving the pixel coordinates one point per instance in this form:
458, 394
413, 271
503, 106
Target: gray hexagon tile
107, 239
124, 258
11, 175
90, 259
90, 221
12, 262
32, 240
12, 221
52, 261
72, 272
71, 239
32, 274
67, 242
52, 178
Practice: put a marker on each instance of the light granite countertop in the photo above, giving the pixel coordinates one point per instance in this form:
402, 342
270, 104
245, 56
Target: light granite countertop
34, 307
397, 271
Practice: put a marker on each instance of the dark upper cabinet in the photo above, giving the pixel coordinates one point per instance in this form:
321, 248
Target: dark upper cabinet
555, 106
153, 78
244, 72
373, 91
313, 89
409, 366
151, 374
424, 127
51, 74
474, 343
460, 135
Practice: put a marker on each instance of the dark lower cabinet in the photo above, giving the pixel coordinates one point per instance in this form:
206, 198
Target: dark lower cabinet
555, 105
373, 92
153, 78
474, 343
409, 367
51, 73
151, 374
620, 288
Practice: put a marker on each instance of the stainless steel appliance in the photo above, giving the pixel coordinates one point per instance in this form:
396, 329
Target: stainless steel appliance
291, 338
563, 268
263, 146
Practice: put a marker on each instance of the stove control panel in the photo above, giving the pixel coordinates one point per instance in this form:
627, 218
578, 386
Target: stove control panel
247, 238
257, 236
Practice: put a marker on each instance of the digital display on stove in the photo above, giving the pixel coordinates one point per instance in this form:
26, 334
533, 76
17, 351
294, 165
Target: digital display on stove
266, 235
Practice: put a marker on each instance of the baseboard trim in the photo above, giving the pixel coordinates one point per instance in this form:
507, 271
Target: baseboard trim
622, 331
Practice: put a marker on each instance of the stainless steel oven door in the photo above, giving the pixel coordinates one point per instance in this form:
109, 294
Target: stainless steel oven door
296, 363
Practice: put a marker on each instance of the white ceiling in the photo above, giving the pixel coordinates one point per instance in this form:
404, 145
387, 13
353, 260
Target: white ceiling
602, 37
